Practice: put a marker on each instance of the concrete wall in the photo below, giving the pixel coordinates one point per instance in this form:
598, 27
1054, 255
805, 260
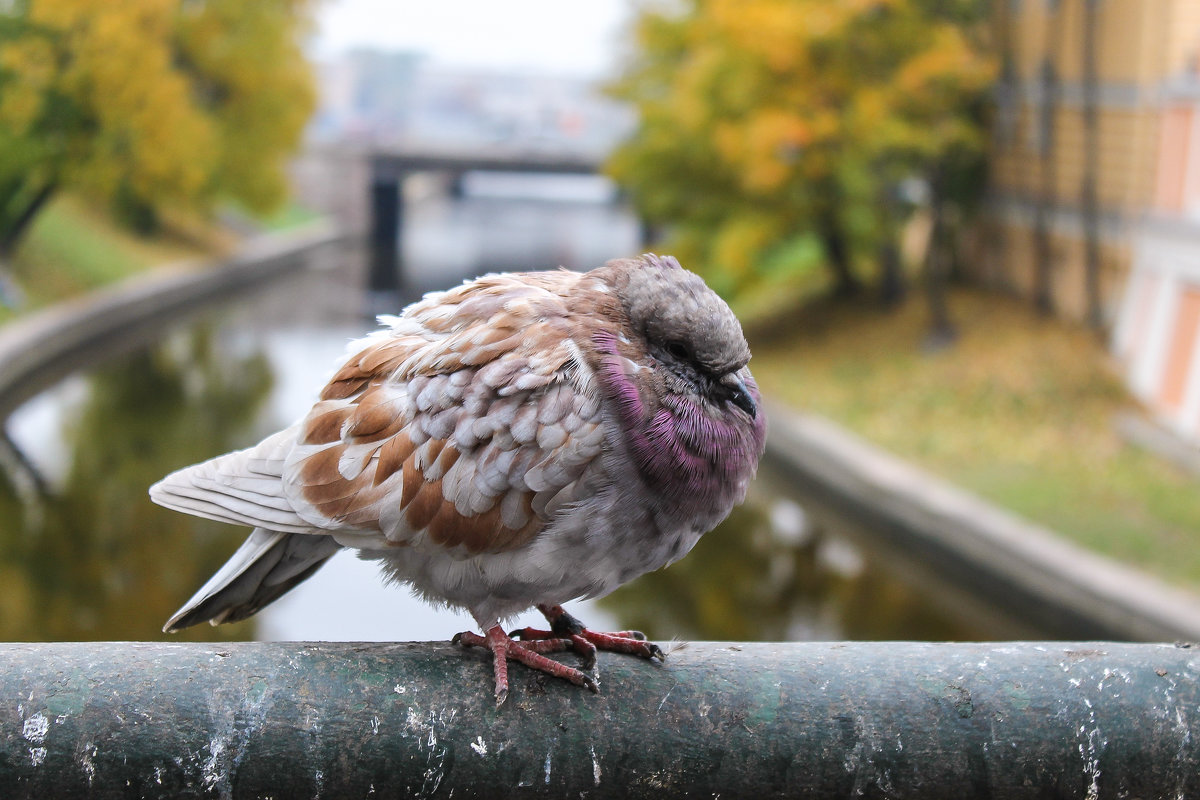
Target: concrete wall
333, 181
38, 350
987, 550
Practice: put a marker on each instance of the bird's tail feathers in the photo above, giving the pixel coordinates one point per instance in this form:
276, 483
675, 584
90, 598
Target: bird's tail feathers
266, 566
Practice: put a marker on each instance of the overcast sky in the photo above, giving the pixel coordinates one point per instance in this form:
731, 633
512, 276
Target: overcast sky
577, 37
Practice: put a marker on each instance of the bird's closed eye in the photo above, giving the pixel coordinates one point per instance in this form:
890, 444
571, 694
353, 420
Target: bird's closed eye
678, 350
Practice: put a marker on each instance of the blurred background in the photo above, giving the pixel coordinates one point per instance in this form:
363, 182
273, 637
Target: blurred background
967, 231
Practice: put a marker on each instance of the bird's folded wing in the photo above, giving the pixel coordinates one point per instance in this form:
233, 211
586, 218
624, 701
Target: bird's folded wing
242, 488
453, 465
464, 431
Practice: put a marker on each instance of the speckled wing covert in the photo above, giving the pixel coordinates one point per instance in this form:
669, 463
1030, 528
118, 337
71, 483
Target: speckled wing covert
463, 427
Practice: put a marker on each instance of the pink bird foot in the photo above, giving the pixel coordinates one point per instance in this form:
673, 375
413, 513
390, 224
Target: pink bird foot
572, 633
528, 653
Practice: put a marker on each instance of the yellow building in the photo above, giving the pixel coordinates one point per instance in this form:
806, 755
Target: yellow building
1094, 209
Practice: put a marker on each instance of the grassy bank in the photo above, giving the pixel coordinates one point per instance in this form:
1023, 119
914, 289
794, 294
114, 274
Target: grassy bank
1019, 411
74, 247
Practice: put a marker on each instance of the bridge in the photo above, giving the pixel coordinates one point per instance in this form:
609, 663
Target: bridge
390, 163
389, 167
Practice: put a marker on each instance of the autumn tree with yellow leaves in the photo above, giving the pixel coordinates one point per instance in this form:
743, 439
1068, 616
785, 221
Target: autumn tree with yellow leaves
155, 105
775, 134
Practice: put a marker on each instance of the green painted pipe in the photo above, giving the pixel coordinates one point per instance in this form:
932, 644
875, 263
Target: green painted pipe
884, 719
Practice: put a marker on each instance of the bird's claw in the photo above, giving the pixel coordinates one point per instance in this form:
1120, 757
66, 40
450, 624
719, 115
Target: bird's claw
529, 646
529, 653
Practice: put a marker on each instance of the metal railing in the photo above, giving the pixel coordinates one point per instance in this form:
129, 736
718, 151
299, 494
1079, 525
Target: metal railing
886, 719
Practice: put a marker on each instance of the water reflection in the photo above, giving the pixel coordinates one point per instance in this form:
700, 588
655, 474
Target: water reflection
769, 574
93, 558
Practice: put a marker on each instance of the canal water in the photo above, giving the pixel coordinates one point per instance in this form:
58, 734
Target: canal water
84, 555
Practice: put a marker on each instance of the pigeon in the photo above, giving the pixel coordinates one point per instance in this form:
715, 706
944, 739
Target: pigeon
523, 439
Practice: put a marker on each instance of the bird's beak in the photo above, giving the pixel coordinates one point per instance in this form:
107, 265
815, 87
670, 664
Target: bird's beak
739, 395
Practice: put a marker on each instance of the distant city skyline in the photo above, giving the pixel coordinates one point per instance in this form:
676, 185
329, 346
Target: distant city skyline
393, 96
582, 39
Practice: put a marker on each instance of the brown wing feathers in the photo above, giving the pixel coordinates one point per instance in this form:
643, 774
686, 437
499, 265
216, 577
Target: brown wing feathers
460, 433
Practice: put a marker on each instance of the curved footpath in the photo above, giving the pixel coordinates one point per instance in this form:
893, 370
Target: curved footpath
1026, 568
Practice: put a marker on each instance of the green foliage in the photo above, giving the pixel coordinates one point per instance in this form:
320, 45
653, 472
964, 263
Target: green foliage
765, 121
73, 247
158, 106
81, 253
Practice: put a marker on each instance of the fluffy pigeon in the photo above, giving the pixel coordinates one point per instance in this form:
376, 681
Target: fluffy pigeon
524, 439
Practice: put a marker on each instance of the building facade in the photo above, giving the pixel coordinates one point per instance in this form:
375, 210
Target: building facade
1094, 206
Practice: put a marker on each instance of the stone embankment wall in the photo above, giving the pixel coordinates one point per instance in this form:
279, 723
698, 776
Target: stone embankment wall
38, 350
988, 551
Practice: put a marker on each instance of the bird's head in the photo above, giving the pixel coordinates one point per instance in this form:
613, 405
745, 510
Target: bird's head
687, 329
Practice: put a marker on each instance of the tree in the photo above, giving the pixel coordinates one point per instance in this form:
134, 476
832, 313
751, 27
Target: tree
157, 106
768, 124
